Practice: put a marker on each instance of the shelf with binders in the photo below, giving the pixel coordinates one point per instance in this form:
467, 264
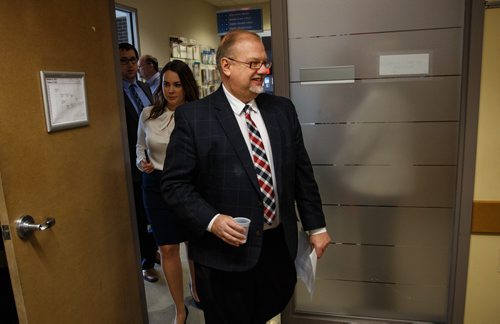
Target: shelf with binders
201, 60
206, 75
209, 80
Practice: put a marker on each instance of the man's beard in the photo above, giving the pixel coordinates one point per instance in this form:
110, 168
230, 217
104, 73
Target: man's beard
257, 89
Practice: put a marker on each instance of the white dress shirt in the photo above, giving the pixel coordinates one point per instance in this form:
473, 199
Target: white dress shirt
237, 106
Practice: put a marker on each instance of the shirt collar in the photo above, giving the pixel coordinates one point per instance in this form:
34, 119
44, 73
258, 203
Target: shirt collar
126, 84
155, 76
237, 105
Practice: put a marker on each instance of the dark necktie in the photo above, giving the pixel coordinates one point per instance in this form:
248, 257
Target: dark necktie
262, 168
136, 97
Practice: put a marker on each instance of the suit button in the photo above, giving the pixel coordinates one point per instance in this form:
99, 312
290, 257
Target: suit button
258, 233
260, 204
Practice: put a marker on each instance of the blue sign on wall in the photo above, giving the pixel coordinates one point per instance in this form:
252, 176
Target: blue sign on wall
248, 19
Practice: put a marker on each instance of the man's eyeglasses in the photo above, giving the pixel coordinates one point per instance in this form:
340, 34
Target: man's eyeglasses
255, 65
125, 61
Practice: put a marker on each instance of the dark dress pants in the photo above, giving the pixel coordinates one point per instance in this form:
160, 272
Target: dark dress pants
147, 242
249, 297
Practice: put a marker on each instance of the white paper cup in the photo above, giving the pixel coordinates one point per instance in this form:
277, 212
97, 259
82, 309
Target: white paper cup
245, 222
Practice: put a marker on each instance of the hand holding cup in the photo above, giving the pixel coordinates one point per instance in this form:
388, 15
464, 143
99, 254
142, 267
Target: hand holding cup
245, 223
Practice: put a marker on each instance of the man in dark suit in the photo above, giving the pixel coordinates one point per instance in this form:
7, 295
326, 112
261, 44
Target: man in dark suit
210, 176
137, 95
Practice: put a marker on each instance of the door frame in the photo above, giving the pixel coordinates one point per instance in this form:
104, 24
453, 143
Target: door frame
11, 260
125, 152
471, 85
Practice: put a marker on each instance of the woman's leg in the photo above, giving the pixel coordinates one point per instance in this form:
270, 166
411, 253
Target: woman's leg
172, 267
192, 278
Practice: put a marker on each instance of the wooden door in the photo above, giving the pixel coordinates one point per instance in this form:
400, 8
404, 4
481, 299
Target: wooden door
84, 269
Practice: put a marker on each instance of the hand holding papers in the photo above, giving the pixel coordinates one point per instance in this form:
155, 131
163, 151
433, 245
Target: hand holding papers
305, 263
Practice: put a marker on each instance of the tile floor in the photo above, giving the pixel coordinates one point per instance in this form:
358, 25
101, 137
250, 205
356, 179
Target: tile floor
160, 305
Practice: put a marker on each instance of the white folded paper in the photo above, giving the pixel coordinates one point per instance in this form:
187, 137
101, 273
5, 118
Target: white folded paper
305, 262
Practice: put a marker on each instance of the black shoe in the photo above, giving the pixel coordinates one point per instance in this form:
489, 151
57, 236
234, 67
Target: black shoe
150, 275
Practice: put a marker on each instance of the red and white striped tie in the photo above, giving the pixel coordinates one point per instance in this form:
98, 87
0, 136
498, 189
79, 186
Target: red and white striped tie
262, 168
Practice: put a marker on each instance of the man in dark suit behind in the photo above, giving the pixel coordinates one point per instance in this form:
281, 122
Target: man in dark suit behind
137, 95
209, 177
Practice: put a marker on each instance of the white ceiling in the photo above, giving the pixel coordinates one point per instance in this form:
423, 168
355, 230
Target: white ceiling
227, 3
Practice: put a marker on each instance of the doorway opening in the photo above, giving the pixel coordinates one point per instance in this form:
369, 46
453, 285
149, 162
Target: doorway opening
8, 304
140, 25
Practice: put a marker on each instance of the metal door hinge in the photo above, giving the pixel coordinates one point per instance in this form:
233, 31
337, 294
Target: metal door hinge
5, 232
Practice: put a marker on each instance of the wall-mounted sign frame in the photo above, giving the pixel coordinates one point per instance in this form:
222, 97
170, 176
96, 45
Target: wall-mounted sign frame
404, 64
65, 100
245, 18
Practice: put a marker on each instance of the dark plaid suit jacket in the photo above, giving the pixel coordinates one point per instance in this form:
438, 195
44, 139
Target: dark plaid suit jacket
209, 170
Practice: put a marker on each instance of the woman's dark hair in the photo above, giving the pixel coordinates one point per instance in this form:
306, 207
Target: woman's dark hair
188, 84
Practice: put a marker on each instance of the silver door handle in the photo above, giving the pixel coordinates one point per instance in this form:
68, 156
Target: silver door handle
25, 226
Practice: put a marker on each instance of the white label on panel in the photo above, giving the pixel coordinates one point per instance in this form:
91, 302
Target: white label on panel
404, 64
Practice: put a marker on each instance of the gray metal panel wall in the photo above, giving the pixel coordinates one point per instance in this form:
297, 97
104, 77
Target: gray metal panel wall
379, 100
363, 51
314, 18
383, 144
384, 151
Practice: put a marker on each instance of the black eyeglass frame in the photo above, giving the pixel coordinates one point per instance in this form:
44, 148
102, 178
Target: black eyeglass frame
126, 61
147, 63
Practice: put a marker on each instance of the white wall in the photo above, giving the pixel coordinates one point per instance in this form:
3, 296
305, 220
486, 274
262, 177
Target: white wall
158, 19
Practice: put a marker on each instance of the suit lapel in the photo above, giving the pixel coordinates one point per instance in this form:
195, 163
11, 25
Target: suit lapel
226, 117
130, 107
270, 118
